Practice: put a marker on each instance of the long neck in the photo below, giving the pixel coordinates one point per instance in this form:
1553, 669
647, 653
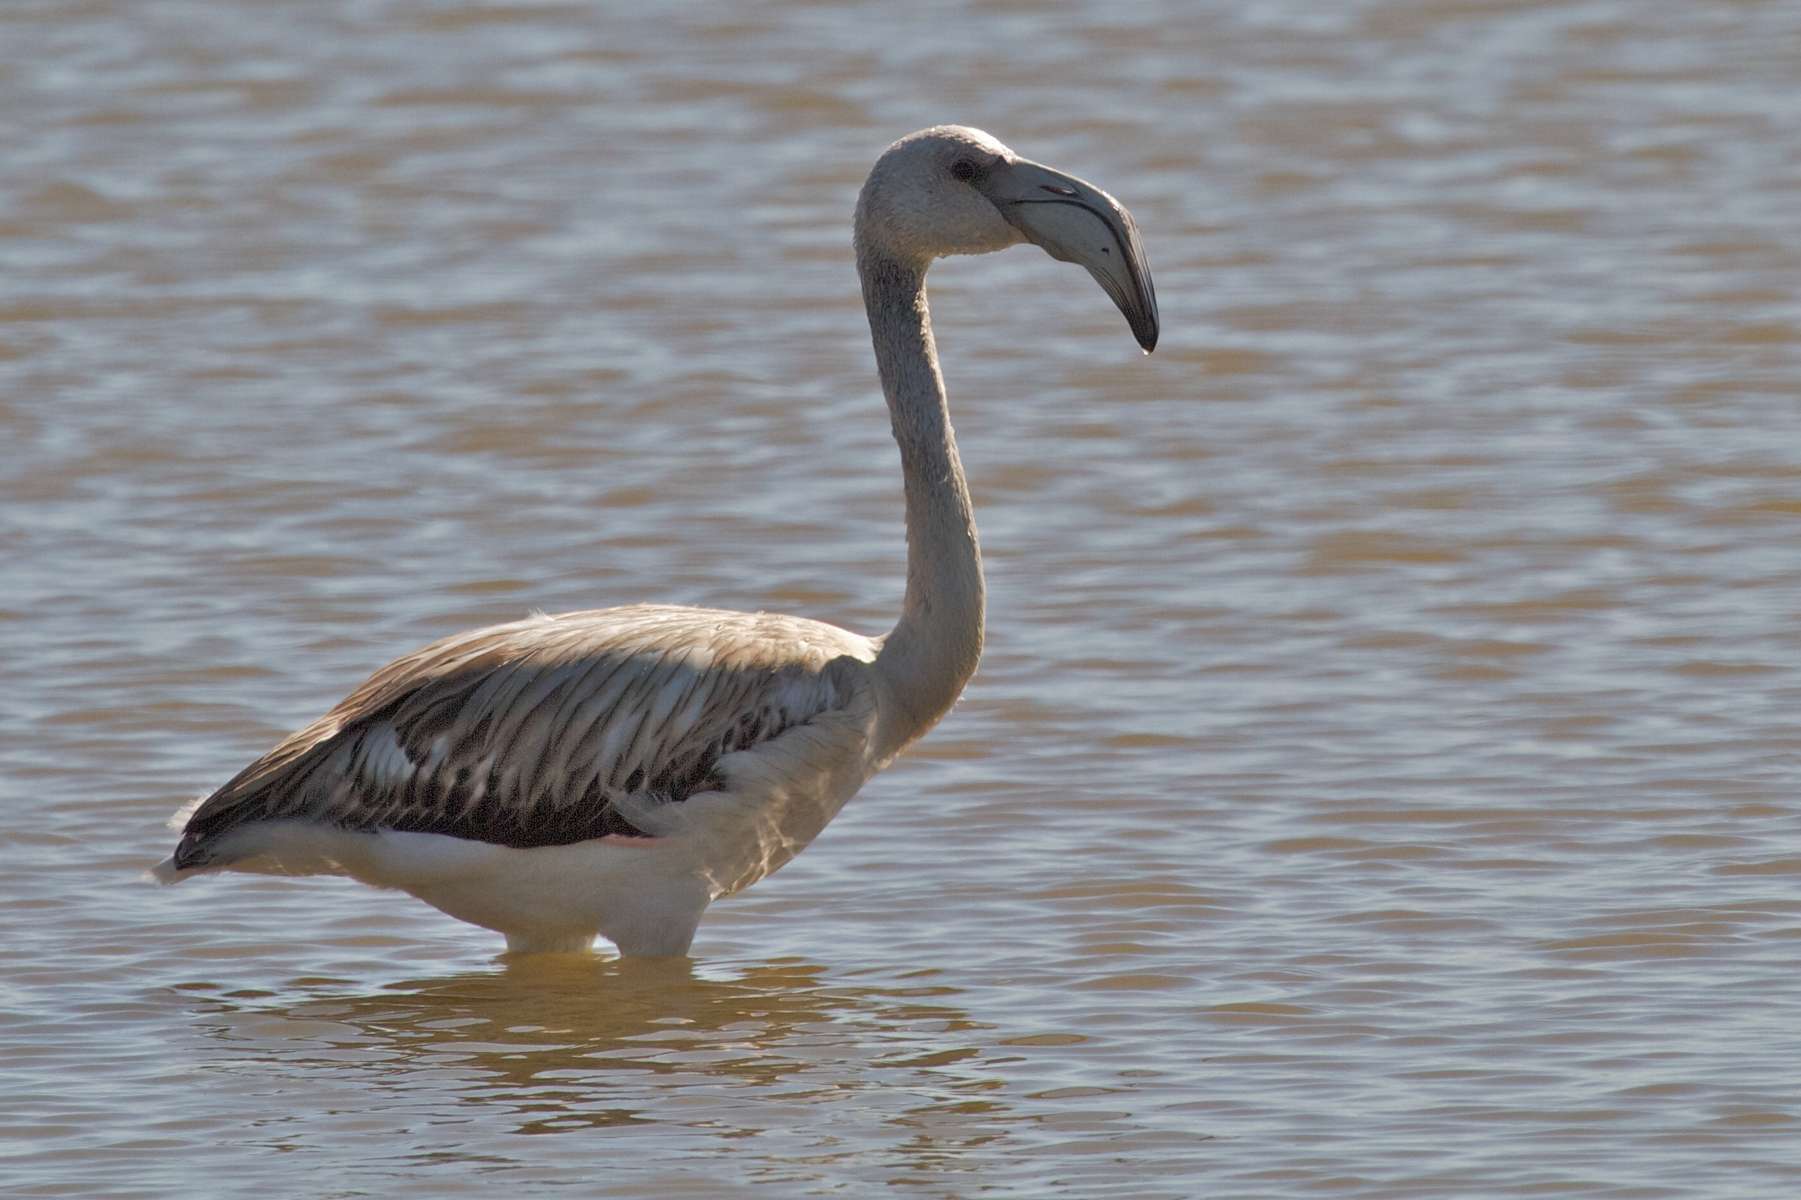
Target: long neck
933, 650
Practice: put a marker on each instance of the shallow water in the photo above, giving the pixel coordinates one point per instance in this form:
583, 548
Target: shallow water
1381, 780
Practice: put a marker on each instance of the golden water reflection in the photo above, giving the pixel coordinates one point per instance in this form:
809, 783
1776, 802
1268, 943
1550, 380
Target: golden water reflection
561, 1043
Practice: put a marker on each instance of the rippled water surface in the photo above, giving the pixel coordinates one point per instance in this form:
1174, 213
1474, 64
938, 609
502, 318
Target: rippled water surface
1381, 781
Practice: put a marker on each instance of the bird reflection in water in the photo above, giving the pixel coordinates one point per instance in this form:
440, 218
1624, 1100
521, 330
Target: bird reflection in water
568, 1042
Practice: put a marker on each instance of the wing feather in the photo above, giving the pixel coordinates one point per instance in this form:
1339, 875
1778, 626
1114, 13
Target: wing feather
546, 731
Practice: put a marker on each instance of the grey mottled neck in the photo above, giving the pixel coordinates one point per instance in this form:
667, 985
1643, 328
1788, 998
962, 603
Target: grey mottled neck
934, 649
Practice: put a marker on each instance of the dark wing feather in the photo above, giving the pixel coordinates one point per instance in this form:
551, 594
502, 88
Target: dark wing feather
535, 733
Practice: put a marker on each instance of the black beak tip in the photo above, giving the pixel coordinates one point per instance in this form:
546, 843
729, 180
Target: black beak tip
1146, 333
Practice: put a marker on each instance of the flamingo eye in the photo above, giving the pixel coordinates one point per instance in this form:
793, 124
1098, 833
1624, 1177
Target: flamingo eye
963, 169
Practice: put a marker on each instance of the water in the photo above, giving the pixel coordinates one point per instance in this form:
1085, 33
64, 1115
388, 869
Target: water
1381, 779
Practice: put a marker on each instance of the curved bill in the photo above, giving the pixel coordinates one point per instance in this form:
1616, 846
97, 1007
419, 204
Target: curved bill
1074, 221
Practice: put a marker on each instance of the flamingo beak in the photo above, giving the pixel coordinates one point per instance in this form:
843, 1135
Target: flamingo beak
1074, 221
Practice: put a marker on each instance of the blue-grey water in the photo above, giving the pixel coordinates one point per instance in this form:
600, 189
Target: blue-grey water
1382, 778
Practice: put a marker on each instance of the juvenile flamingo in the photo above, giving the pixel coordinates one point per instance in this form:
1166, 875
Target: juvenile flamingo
611, 772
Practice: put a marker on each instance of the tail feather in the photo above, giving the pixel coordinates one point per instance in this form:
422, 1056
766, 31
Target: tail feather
178, 820
168, 870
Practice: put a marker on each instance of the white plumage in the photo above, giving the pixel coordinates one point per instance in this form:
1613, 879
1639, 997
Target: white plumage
612, 772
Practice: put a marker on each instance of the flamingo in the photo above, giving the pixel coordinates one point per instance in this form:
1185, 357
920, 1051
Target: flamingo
612, 772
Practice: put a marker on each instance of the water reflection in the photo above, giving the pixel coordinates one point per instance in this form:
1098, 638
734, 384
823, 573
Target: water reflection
568, 1042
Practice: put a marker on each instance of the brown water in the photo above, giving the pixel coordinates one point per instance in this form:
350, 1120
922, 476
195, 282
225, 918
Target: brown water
1381, 782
